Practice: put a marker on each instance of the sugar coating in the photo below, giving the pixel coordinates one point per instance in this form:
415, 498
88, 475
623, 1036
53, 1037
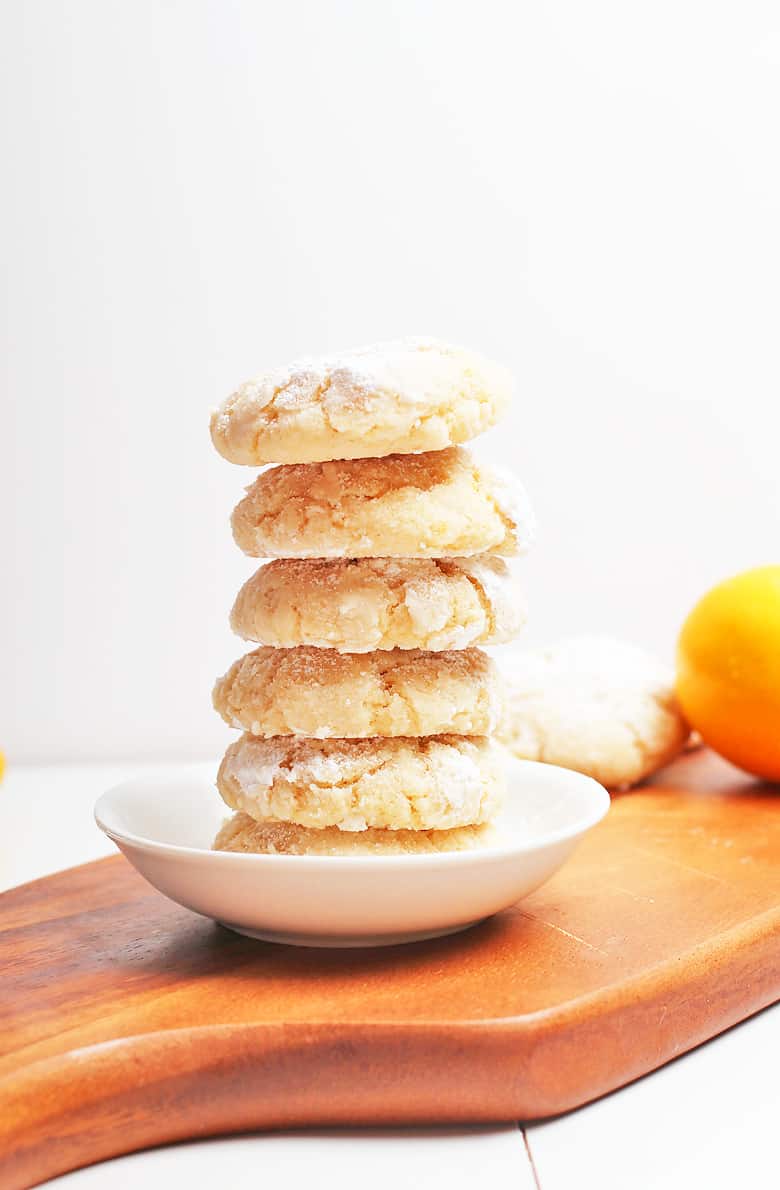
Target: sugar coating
510, 496
244, 834
433, 783
434, 505
321, 693
601, 706
358, 605
396, 397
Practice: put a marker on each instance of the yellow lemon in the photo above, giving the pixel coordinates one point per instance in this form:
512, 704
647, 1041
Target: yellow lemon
728, 670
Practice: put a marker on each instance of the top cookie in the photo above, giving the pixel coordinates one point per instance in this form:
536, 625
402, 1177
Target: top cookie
391, 398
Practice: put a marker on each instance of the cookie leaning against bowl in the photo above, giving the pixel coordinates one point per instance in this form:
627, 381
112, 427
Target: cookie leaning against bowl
392, 398
357, 605
433, 505
433, 783
321, 693
244, 834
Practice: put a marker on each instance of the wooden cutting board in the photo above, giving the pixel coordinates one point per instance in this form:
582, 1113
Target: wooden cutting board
126, 1021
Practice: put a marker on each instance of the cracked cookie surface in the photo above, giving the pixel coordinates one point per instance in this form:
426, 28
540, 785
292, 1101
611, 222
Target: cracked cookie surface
439, 504
433, 783
601, 706
357, 605
321, 693
395, 397
244, 834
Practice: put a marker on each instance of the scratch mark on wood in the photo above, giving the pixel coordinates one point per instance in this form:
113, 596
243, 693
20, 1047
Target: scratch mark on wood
639, 897
567, 933
679, 864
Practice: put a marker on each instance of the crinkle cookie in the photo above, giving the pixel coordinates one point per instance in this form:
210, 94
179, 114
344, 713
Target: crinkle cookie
357, 605
433, 783
601, 706
244, 834
431, 505
391, 398
322, 693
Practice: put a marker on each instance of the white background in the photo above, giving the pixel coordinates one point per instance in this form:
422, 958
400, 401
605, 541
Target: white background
193, 191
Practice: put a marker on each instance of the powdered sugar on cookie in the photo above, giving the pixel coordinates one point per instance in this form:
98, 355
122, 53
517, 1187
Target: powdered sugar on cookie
402, 396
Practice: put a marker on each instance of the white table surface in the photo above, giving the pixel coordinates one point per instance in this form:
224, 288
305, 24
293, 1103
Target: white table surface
705, 1120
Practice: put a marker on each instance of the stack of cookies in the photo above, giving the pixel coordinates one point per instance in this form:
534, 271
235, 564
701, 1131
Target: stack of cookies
367, 710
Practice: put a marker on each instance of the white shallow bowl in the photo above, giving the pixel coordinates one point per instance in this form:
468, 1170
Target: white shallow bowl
166, 827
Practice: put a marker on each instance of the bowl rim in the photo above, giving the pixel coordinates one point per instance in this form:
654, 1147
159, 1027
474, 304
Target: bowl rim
598, 806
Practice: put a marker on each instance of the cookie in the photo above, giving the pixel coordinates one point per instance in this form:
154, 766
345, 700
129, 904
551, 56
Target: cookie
244, 834
434, 783
597, 705
431, 505
359, 605
321, 693
391, 398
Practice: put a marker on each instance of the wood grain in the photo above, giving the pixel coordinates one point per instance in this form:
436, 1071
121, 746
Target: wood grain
126, 1021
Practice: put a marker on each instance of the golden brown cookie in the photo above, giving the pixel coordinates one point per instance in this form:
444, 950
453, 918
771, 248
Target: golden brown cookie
430, 505
357, 605
397, 397
244, 834
433, 783
321, 693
